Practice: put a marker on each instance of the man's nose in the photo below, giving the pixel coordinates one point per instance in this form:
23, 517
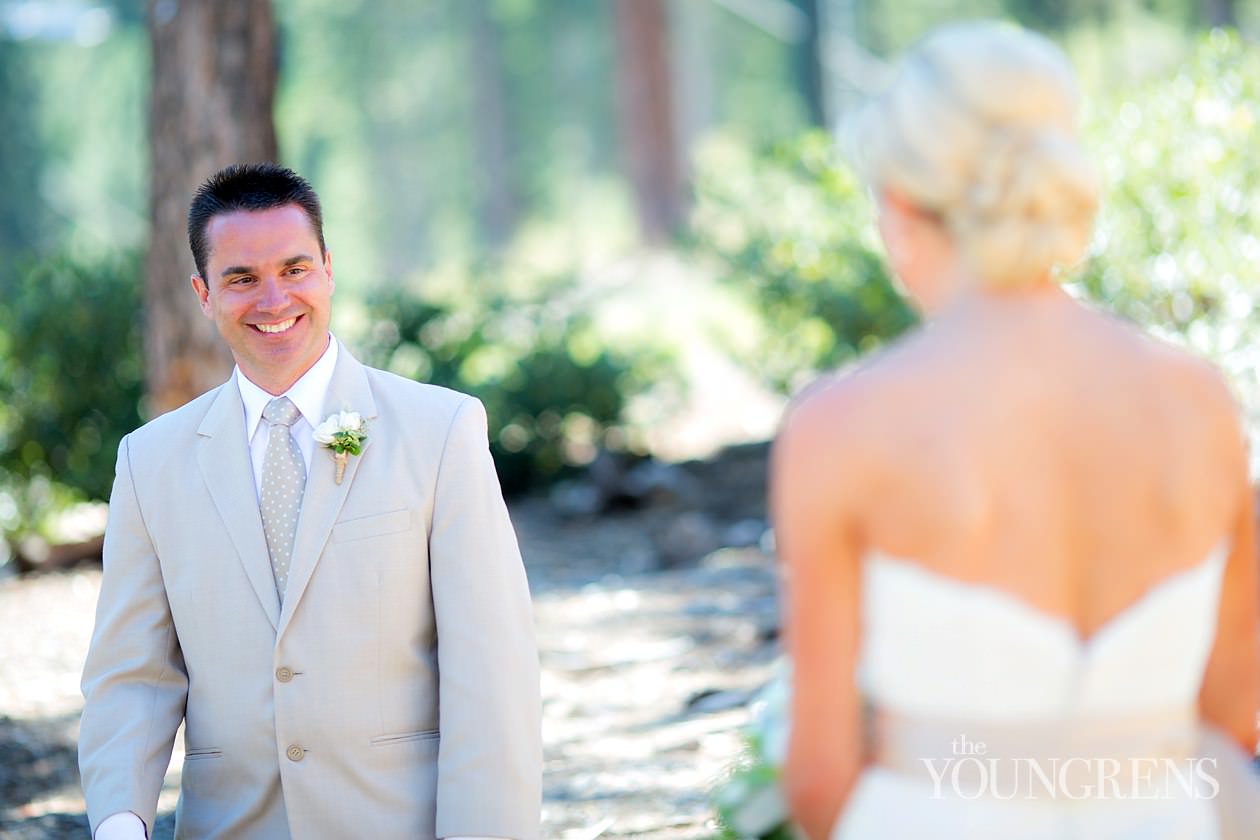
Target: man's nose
273, 297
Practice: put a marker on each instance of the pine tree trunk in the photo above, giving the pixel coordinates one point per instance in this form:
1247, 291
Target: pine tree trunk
214, 77
647, 119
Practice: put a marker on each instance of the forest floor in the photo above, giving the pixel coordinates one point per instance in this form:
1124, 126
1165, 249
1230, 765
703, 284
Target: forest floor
656, 626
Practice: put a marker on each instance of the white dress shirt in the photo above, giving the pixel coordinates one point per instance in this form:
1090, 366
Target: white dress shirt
308, 394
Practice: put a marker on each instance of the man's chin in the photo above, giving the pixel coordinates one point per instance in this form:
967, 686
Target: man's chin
278, 362
294, 343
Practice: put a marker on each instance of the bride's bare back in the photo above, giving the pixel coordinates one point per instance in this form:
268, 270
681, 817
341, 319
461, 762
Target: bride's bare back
1029, 443
1037, 445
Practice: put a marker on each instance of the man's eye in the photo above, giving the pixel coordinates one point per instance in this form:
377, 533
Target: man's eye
296, 270
241, 280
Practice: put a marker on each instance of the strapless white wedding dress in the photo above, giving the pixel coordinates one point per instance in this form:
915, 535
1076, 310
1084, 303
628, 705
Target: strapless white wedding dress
970, 660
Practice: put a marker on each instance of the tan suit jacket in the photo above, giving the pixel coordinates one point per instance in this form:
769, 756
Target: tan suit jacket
394, 695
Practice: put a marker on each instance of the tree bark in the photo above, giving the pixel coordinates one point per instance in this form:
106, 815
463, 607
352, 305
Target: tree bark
646, 111
214, 78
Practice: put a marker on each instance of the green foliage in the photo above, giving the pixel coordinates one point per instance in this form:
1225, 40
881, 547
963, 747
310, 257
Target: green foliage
551, 387
791, 230
1178, 235
750, 801
70, 370
21, 219
752, 795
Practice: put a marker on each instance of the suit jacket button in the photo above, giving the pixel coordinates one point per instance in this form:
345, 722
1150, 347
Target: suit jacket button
295, 753
284, 674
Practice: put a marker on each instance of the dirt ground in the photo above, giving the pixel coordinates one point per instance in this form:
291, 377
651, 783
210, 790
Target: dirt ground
650, 658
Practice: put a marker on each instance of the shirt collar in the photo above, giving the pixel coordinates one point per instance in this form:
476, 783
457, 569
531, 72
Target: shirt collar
307, 393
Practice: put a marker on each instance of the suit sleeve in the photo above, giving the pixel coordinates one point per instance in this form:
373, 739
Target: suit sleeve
490, 753
134, 682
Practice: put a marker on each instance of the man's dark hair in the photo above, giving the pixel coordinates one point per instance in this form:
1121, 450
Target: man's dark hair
248, 186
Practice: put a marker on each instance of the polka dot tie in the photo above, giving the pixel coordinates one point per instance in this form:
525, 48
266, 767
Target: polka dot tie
283, 480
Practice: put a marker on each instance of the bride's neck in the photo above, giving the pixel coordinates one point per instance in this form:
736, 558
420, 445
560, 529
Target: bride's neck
975, 302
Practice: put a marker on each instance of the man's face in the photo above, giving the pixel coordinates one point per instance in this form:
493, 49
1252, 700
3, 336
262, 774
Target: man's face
268, 291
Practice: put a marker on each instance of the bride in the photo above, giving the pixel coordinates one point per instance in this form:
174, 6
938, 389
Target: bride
1021, 538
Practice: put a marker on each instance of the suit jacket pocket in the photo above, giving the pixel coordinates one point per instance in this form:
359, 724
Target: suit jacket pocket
200, 754
405, 737
372, 526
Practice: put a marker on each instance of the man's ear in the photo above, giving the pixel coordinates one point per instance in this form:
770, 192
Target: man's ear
332, 286
202, 290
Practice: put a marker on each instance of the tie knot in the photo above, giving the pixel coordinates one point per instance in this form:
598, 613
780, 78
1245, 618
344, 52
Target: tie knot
281, 412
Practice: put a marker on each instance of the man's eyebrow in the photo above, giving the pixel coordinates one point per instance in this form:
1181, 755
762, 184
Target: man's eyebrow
245, 269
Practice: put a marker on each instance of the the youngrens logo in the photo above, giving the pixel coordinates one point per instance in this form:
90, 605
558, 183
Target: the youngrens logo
971, 773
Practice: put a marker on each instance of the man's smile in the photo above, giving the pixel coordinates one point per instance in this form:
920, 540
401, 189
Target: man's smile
277, 327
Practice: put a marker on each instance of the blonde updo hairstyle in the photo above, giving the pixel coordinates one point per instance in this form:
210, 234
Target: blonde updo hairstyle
978, 128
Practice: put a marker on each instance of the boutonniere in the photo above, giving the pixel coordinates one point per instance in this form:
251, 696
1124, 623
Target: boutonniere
343, 434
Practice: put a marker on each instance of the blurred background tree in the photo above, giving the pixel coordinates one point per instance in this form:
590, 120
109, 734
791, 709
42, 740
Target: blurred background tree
554, 204
210, 104
644, 92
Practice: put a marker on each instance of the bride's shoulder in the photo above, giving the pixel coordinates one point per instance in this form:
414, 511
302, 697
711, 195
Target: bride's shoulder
1185, 378
847, 414
1181, 395
1159, 355
849, 393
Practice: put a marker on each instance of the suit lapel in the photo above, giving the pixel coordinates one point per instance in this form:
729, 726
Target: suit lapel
223, 456
323, 498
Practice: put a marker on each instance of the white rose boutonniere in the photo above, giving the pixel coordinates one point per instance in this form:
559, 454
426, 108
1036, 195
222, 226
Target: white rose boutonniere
343, 433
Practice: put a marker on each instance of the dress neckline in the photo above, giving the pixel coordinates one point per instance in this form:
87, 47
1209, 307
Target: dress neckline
1211, 563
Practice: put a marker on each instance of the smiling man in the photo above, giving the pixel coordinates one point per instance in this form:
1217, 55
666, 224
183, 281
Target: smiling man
349, 646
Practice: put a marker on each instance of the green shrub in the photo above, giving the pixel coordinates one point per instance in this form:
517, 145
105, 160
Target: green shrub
552, 390
1178, 236
71, 375
791, 231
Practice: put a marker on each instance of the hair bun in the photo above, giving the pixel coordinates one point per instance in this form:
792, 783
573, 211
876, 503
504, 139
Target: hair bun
978, 127
1028, 206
